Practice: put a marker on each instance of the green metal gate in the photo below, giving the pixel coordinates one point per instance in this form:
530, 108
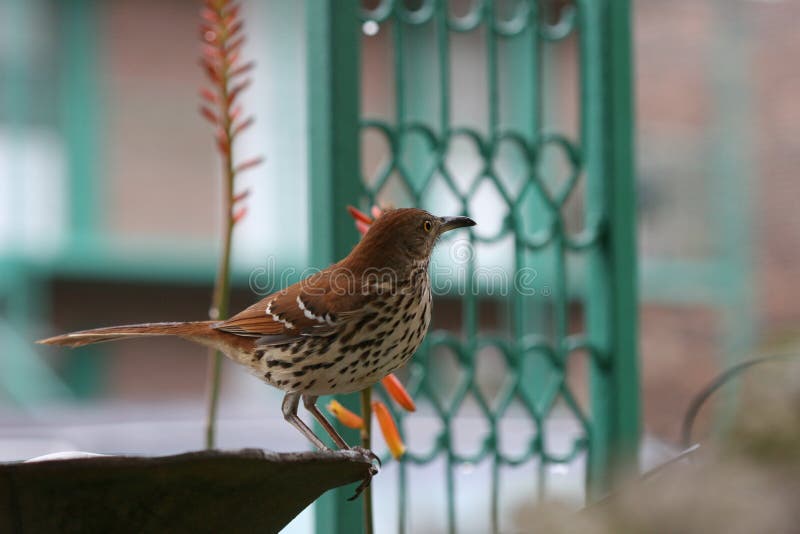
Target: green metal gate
420, 135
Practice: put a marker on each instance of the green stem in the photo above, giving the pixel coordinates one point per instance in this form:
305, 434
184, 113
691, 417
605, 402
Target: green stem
219, 311
222, 288
366, 442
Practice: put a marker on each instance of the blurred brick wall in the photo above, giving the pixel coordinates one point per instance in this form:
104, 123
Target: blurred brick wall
681, 345
776, 82
160, 169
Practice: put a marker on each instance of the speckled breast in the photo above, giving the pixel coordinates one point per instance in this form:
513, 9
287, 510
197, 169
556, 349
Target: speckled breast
368, 348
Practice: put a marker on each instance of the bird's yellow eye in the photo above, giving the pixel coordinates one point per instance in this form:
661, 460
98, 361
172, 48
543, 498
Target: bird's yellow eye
427, 226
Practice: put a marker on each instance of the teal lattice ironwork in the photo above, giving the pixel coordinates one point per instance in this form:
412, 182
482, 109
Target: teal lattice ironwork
510, 141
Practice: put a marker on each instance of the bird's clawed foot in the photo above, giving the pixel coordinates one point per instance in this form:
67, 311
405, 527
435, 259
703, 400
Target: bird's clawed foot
373, 470
366, 452
364, 484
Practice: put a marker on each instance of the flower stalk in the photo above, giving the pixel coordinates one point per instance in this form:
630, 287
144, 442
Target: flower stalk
366, 442
221, 32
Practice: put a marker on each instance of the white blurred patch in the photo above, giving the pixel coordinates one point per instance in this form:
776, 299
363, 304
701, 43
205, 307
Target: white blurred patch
33, 190
370, 28
276, 221
64, 455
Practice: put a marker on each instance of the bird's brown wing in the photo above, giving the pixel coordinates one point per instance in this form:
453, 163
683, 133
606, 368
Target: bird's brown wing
312, 307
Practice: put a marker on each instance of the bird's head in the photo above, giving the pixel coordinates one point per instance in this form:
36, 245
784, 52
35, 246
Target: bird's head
404, 236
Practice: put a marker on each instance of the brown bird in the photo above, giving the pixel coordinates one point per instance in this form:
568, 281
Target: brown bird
338, 331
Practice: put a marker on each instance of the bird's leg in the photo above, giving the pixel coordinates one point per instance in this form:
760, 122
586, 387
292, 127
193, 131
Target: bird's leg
289, 408
310, 402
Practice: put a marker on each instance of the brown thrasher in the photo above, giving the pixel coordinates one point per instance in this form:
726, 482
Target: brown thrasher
338, 331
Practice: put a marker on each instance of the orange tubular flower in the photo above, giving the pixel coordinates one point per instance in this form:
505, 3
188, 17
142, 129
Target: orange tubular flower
389, 429
345, 416
359, 215
396, 390
364, 221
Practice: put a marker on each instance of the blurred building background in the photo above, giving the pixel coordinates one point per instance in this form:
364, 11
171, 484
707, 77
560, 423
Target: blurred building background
109, 191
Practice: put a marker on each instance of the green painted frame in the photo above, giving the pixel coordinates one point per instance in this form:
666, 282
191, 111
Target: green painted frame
606, 155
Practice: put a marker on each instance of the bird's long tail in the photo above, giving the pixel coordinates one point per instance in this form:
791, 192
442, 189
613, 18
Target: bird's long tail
197, 329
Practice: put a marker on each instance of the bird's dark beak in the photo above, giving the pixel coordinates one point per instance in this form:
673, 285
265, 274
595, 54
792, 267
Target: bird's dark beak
451, 223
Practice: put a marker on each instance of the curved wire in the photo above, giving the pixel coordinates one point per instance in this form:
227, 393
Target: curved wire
720, 380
